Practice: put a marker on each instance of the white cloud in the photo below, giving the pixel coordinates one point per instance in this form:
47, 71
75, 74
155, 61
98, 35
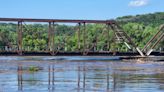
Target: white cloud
138, 3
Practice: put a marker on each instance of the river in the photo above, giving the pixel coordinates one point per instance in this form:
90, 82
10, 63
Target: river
80, 74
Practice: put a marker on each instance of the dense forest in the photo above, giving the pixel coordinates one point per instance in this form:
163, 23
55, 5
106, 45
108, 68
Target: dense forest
35, 36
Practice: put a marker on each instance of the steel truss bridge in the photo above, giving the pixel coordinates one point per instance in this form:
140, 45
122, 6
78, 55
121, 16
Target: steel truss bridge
84, 46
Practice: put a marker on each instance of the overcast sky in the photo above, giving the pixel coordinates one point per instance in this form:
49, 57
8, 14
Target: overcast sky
78, 9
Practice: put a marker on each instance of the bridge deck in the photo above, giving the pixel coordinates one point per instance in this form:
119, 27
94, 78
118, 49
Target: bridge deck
25, 53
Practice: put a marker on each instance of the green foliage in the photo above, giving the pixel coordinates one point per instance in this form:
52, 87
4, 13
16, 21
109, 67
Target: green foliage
153, 20
33, 69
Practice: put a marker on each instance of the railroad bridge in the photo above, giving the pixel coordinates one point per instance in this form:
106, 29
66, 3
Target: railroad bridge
55, 46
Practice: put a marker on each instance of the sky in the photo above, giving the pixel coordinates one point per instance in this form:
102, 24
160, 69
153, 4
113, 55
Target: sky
77, 9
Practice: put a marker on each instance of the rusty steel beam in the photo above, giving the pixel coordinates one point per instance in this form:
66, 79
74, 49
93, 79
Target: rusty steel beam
84, 38
57, 20
155, 44
107, 33
49, 36
149, 42
51, 30
19, 32
79, 29
153, 38
127, 36
160, 38
53, 40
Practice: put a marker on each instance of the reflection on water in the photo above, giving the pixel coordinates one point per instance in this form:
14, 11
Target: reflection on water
81, 76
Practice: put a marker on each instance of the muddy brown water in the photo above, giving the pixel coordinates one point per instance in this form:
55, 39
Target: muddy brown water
80, 74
